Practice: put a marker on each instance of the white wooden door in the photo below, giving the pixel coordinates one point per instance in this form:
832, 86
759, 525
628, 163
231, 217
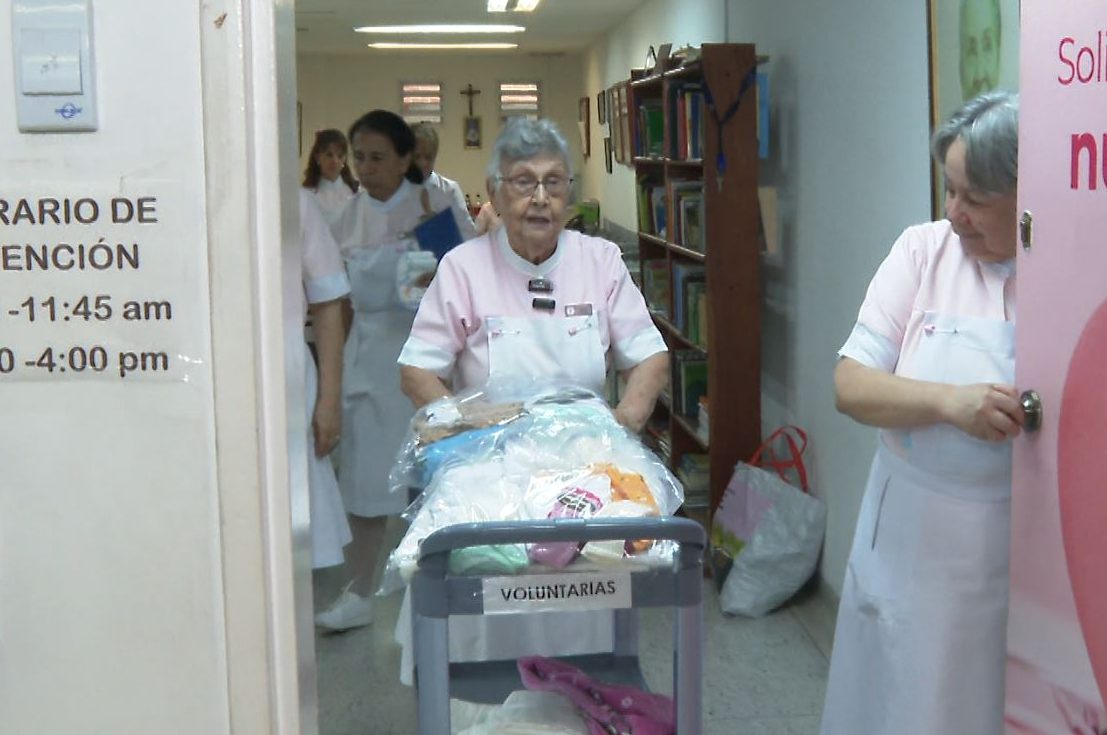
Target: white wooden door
1057, 632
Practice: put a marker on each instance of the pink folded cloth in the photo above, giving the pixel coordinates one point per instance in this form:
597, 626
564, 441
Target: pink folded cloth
576, 502
608, 709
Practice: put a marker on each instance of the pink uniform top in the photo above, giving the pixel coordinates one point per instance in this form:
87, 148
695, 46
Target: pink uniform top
486, 278
927, 271
927, 276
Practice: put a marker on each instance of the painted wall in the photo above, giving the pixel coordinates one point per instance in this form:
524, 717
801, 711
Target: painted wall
849, 157
336, 90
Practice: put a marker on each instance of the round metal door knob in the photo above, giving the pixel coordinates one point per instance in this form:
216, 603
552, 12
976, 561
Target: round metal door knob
1031, 409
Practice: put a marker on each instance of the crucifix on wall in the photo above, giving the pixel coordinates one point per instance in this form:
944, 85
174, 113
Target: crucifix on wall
471, 130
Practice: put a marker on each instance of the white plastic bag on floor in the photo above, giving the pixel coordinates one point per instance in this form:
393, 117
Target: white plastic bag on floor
531, 713
771, 529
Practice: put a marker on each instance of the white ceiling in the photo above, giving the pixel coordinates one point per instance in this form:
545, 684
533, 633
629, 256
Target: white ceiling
326, 26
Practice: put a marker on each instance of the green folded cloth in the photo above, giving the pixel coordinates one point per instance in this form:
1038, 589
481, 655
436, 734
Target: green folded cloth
482, 560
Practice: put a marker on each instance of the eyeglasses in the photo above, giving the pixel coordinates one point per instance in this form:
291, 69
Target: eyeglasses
526, 186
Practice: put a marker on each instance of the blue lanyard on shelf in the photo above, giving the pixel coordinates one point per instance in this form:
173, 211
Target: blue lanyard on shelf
720, 158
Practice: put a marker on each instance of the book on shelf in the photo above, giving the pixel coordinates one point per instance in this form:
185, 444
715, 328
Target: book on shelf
703, 423
686, 121
695, 298
655, 285
651, 207
658, 218
651, 129
678, 192
642, 196
693, 471
689, 381
684, 275
688, 219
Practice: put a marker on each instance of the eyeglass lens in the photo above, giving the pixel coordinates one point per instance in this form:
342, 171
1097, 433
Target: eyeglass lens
526, 186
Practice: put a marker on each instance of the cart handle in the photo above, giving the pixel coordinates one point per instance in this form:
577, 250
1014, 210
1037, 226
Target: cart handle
682, 530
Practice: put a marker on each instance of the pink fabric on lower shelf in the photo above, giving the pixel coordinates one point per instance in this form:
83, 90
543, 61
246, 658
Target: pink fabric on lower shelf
608, 708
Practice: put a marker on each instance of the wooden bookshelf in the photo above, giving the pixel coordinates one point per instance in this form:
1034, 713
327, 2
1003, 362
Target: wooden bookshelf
729, 237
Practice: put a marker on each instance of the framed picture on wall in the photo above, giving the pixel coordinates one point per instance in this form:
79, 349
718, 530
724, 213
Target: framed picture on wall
601, 107
974, 48
607, 153
471, 133
585, 129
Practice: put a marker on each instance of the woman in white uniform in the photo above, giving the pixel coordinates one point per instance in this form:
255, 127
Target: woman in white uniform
533, 300
374, 231
325, 290
921, 636
426, 155
327, 176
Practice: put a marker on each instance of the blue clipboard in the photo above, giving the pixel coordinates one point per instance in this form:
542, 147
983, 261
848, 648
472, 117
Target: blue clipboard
438, 233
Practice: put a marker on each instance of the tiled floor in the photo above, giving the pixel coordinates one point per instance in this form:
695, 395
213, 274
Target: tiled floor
762, 677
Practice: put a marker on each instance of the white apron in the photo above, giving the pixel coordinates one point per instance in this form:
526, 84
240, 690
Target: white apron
544, 346
329, 529
376, 413
920, 643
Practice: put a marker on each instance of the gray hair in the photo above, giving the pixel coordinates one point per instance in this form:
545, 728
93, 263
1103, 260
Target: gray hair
989, 126
524, 138
425, 131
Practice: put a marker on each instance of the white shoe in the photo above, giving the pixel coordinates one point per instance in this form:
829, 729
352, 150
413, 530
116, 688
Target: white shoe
349, 610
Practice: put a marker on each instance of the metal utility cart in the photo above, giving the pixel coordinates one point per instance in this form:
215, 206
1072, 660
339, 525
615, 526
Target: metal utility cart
436, 595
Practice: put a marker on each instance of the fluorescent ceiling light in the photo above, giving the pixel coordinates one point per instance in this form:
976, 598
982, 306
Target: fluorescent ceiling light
520, 6
440, 46
456, 28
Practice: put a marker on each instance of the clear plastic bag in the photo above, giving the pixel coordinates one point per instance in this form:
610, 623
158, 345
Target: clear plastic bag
524, 451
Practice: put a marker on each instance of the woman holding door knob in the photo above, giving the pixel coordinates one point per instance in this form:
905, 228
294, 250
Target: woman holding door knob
921, 636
